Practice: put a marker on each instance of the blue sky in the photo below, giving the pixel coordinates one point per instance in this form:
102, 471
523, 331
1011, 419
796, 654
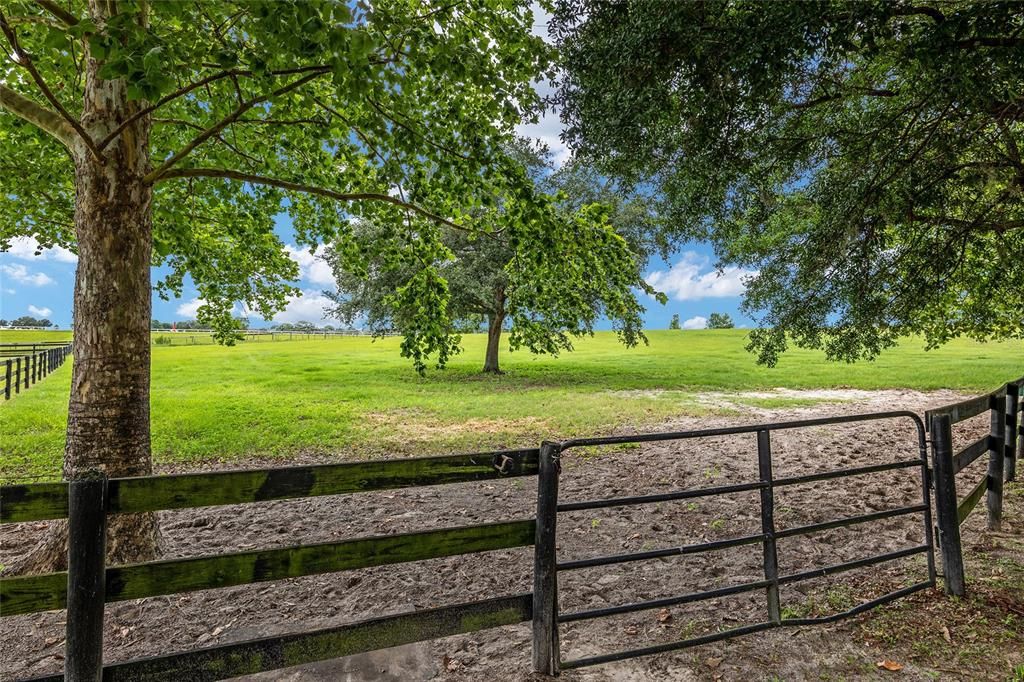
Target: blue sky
42, 285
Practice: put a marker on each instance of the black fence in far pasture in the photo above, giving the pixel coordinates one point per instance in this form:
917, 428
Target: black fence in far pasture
26, 363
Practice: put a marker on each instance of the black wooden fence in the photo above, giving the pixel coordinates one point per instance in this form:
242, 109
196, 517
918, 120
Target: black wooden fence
26, 363
1004, 444
88, 584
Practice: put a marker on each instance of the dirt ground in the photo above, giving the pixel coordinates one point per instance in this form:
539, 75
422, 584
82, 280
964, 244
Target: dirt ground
927, 635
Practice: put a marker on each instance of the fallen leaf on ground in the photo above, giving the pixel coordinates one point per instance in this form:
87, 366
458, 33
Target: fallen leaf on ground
892, 666
713, 662
664, 616
945, 634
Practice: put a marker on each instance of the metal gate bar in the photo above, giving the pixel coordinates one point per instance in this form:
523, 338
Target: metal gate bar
547, 631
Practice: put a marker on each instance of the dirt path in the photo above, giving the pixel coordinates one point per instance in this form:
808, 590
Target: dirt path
33, 644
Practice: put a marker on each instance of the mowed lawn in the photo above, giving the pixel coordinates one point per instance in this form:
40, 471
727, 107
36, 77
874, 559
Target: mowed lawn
353, 397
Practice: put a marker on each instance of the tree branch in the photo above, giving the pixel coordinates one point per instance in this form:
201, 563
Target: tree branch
306, 189
224, 123
181, 92
866, 92
25, 61
39, 116
58, 11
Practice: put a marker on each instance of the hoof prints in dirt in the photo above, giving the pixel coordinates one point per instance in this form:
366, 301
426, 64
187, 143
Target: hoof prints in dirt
33, 644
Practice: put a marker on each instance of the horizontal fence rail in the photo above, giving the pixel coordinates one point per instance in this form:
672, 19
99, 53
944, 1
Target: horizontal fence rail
41, 501
31, 594
270, 653
24, 364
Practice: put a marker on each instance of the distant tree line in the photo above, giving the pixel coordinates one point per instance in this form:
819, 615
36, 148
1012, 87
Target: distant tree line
240, 324
715, 321
27, 321
192, 325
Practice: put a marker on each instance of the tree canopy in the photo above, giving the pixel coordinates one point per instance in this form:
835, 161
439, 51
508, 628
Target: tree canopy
864, 157
490, 280
720, 321
173, 132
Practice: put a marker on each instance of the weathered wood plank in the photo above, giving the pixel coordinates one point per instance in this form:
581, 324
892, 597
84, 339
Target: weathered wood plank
971, 501
30, 594
968, 408
272, 653
34, 502
966, 457
153, 493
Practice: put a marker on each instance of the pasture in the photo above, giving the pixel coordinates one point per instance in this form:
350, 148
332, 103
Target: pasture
356, 398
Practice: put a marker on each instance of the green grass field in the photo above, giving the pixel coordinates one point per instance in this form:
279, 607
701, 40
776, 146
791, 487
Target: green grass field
357, 398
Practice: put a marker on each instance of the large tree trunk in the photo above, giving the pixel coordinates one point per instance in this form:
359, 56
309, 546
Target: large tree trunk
494, 322
108, 413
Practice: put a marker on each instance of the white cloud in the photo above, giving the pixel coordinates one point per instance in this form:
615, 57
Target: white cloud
697, 322
312, 266
309, 306
22, 275
41, 312
25, 248
190, 309
687, 281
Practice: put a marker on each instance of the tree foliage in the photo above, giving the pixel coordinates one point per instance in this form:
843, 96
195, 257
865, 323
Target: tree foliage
27, 321
864, 157
492, 281
173, 133
674, 322
330, 111
720, 321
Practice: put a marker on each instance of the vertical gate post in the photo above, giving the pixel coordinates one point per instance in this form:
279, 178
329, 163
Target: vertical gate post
1012, 421
945, 505
771, 558
546, 655
997, 450
87, 535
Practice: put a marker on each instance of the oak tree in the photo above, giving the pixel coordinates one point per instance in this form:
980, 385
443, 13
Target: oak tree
864, 157
490, 282
171, 132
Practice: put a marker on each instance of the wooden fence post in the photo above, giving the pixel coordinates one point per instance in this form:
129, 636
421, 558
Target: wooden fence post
27, 372
1013, 442
87, 536
997, 450
7, 380
17, 375
546, 655
945, 505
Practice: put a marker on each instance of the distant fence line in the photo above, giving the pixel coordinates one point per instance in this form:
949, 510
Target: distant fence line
24, 364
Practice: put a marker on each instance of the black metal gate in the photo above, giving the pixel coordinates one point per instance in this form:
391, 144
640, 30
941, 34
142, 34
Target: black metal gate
547, 657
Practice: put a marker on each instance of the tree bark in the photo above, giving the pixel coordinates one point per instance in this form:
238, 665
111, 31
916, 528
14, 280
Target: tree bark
108, 411
494, 322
